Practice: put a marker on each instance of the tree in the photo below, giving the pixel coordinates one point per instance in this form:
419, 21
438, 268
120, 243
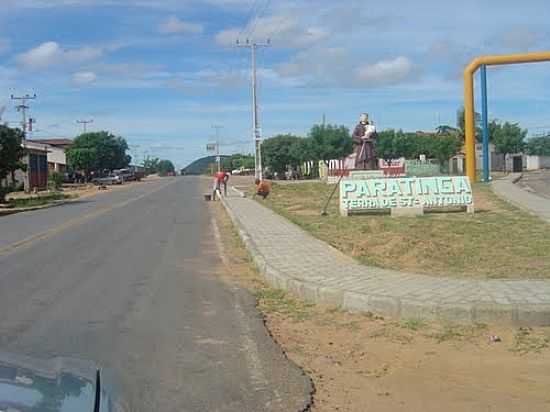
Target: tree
151, 165
444, 147
277, 153
98, 151
508, 137
82, 158
395, 144
243, 161
446, 129
460, 123
237, 161
11, 153
538, 146
165, 167
329, 142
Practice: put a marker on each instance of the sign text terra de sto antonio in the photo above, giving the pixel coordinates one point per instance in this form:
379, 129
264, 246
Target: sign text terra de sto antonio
406, 192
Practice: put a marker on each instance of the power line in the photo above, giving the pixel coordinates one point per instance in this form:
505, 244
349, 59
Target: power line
85, 123
248, 19
257, 134
23, 107
253, 23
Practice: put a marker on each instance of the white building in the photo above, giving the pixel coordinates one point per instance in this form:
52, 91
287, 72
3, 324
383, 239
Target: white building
57, 160
36, 175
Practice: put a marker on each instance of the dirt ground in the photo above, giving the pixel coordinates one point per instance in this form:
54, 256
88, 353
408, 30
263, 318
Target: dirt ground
364, 363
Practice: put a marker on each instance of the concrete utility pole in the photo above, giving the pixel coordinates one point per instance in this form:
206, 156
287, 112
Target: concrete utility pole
218, 160
84, 123
255, 115
23, 107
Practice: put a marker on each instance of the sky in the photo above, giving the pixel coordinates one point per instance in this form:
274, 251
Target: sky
163, 73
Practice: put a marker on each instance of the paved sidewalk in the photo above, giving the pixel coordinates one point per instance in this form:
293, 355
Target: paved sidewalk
515, 194
293, 260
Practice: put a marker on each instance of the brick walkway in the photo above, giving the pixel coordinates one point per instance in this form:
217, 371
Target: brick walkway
293, 260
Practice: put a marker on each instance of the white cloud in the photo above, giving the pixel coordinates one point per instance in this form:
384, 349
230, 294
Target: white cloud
51, 53
84, 77
174, 25
284, 30
317, 67
385, 71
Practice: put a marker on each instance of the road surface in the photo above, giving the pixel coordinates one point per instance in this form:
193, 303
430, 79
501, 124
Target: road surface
537, 182
130, 280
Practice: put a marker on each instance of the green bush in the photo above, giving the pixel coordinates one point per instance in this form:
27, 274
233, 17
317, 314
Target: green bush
539, 146
55, 180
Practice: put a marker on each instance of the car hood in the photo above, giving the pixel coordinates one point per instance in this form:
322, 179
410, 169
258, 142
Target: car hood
54, 385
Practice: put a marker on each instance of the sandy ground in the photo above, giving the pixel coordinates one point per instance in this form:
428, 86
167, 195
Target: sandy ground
366, 363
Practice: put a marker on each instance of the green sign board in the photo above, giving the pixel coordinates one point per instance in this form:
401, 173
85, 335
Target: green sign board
405, 192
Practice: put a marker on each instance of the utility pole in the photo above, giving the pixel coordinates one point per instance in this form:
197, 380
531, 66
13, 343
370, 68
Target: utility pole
218, 160
324, 120
23, 107
84, 123
257, 134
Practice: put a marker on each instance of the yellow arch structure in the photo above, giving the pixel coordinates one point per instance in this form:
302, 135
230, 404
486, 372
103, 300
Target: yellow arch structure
469, 128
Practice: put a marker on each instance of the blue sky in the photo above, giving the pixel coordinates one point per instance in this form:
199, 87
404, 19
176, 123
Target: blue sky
161, 73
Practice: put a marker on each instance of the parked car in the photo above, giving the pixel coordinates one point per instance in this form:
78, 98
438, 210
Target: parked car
126, 175
108, 180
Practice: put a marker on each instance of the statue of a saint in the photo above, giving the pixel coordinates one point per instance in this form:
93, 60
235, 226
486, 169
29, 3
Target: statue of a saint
364, 139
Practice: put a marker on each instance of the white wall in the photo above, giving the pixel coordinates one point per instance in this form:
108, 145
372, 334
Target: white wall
56, 155
537, 162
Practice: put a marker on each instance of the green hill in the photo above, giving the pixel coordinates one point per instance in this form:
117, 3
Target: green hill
200, 166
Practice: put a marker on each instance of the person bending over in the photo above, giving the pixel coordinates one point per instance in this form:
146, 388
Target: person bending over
263, 187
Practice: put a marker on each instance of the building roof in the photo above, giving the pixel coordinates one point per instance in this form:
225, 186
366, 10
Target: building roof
34, 146
61, 142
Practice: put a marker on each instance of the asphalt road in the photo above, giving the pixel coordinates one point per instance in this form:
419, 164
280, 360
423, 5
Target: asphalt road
537, 182
130, 280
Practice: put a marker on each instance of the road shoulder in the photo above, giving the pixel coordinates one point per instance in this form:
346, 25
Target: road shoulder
356, 359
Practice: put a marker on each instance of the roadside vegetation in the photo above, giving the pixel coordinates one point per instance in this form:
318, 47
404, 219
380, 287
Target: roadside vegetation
285, 152
498, 241
39, 200
11, 154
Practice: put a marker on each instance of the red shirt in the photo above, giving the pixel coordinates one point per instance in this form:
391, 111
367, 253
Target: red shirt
220, 176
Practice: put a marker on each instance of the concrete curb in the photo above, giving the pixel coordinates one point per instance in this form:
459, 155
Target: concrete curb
387, 305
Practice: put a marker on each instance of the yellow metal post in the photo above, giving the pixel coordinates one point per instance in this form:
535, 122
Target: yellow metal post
469, 125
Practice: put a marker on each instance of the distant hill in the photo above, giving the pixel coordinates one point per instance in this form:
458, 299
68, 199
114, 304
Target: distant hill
200, 166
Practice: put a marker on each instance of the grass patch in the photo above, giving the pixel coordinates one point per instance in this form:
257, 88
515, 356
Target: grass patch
455, 332
278, 301
526, 340
413, 324
39, 200
498, 241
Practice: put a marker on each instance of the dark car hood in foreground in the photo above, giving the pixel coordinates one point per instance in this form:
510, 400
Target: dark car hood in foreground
55, 385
